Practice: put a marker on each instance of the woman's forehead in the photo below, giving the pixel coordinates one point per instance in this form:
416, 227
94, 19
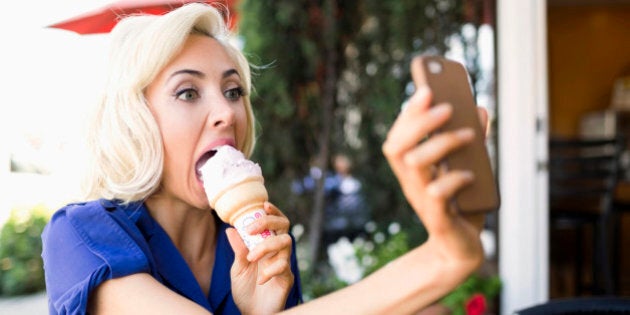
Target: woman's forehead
201, 53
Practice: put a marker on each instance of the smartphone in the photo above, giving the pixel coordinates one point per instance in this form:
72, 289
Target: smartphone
449, 83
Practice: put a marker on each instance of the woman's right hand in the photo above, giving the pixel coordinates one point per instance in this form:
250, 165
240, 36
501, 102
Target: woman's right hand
454, 237
262, 277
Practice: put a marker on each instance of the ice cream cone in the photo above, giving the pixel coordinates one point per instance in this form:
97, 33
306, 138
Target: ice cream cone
239, 198
236, 191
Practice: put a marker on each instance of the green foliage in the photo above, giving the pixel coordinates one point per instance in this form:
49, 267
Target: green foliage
364, 47
319, 281
21, 266
488, 286
376, 249
385, 249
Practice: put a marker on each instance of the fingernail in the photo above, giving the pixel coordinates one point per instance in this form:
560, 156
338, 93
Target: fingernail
420, 93
434, 190
422, 90
440, 110
465, 134
468, 176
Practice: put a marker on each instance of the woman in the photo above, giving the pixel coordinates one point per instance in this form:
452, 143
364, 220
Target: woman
148, 242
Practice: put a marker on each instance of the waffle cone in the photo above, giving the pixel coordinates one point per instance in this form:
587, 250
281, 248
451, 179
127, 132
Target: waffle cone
239, 198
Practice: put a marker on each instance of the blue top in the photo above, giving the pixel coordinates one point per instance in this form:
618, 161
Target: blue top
85, 244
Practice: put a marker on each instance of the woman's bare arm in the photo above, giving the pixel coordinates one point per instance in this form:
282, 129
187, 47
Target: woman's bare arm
404, 286
453, 250
140, 294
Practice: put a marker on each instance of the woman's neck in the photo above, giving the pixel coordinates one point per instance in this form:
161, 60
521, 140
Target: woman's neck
192, 230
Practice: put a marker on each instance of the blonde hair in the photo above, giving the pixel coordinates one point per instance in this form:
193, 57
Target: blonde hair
124, 141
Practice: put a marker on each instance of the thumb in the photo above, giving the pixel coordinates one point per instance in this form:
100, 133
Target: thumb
484, 119
239, 248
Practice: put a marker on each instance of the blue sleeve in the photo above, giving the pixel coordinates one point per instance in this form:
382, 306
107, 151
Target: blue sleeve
82, 247
295, 295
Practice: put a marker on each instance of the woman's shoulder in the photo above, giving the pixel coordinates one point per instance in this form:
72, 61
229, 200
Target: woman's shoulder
85, 244
72, 217
94, 228
72, 209
96, 220
92, 204
92, 215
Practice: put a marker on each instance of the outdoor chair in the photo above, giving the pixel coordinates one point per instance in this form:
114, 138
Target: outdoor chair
621, 208
584, 305
583, 175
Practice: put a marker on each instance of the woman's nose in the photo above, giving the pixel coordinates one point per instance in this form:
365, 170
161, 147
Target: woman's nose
222, 114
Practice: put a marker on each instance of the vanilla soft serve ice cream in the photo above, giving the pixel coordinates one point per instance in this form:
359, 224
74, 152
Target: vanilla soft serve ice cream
235, 189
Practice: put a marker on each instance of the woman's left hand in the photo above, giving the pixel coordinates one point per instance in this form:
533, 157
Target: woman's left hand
262, 277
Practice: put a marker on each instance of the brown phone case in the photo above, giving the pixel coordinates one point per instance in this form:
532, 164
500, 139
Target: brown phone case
448, 81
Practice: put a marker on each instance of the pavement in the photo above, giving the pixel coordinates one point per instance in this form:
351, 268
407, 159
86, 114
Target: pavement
33, 304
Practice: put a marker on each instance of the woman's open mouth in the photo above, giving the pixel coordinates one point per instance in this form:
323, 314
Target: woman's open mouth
202, 161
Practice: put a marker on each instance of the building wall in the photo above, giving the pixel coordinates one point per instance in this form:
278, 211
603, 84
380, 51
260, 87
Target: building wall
589, 46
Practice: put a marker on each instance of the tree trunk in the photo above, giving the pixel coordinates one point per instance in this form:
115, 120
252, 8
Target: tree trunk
329, 31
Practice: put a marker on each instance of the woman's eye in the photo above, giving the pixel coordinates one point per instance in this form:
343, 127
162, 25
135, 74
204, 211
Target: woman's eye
187, 95
233, 94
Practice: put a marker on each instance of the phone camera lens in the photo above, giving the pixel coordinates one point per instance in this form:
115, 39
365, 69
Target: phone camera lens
434, 67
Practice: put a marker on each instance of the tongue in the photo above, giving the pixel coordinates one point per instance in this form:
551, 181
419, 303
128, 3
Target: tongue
202, 161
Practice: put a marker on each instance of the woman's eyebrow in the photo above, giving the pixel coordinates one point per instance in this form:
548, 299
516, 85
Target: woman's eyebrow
229, 73
200, 74
192, 72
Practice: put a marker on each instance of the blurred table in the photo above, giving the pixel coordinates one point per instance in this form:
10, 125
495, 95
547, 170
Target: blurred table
622, 193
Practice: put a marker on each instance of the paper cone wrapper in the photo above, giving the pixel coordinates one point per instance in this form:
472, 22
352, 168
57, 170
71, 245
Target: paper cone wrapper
241, 204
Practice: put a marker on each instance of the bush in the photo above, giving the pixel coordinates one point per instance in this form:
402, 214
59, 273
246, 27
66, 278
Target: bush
382, 247
21, 265
350, 261
474, 296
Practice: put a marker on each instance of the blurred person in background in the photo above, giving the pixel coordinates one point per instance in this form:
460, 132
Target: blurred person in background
346, 211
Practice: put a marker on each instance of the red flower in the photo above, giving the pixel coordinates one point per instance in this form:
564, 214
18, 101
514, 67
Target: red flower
476, 305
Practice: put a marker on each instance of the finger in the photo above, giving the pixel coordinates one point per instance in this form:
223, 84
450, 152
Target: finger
276, 268
239, 248
483, 118
417, 71
414, 123
438, 146
399, 143
271, 209
448, 184
279, 225
275, 221
273, 245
